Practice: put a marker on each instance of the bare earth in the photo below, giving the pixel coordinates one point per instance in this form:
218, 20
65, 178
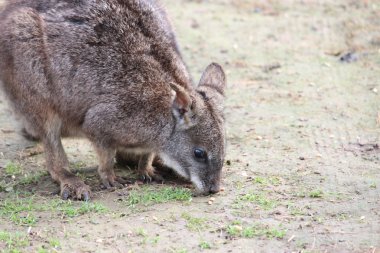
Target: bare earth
303, 163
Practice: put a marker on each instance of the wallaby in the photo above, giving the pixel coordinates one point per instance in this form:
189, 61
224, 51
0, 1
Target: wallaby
111, 71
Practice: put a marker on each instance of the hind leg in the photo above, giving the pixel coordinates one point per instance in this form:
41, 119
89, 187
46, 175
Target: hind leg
58, 165
27, 81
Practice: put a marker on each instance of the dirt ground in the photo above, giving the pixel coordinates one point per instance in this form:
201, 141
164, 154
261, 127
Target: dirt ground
302, 171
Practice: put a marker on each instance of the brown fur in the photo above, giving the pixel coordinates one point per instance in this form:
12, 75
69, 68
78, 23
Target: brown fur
110, 71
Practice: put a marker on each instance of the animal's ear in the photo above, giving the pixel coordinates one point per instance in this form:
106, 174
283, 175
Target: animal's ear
182, 106
214, 77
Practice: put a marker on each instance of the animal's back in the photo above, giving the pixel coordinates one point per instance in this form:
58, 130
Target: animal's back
71, 54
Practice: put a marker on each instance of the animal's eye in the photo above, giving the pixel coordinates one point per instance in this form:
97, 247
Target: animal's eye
200, 153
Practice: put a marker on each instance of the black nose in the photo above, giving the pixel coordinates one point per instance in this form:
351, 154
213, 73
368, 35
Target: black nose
214, 189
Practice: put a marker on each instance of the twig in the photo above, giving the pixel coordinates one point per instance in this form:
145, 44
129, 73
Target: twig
291, 238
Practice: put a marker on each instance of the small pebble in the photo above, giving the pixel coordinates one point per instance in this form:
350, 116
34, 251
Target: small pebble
238, 228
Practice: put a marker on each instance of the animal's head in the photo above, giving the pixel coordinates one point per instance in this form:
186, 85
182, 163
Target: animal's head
196, 148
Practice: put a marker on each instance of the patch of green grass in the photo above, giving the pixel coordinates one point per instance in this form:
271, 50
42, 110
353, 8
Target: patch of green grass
78, 165
256, 230
301, 244
300, 194
234, 230
13, 241
295, 210
343, 216
260, 180
236, 222
318, 219
275, 233
55, 243
16, 204
373, 185
267, 181
6, 186
26, 179
72, 209
21, 210
181, 250
42, 250
335, 196
149, 195
316, 194
238, 185
155, 240
32, 178
204, 245
12, 169
27, 219
258, 199
194, 223
141, 232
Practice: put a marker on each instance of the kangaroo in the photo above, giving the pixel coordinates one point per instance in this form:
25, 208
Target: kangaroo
111, 71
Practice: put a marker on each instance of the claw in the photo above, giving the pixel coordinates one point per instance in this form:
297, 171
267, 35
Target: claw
65, 194
106, 184
86, 196
146, 179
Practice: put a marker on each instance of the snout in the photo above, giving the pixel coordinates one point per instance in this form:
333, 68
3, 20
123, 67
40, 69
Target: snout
214, 189
206, 184
207, 190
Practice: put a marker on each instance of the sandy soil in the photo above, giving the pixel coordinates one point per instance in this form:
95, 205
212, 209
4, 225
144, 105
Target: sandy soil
303, 163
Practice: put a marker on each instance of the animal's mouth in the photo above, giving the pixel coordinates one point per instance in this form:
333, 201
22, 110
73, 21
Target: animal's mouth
203, 192
203, 189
